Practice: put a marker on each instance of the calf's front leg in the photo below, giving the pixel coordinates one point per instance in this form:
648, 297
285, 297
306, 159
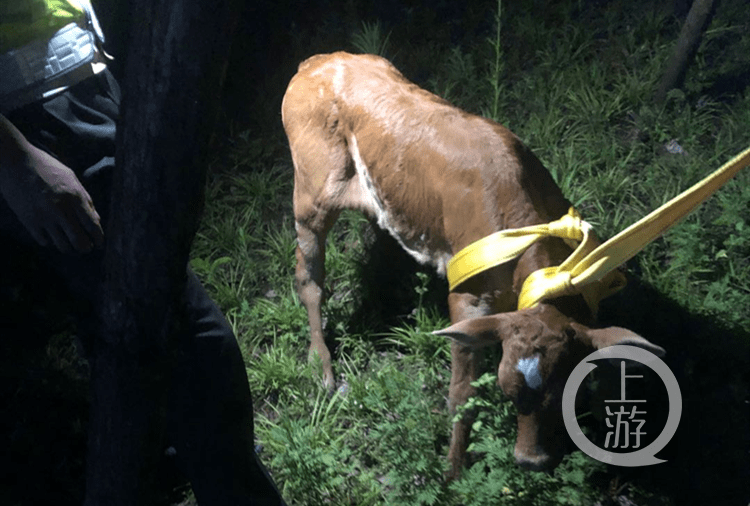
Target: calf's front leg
463, 372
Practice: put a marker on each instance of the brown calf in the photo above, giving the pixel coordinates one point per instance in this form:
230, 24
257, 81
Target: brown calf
437, 178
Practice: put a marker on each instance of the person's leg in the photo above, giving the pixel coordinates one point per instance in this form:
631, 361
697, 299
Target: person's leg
210, 422
210, 417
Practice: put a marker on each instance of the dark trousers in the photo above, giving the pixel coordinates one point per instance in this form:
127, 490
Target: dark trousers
210, 417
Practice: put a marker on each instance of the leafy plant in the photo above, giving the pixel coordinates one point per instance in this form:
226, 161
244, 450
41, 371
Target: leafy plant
404, 435
496, 68
315, 465
370, 39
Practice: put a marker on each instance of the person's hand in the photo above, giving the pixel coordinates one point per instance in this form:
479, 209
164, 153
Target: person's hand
50, 202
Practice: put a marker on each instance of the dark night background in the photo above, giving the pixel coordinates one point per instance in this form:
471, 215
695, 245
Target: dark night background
271, 39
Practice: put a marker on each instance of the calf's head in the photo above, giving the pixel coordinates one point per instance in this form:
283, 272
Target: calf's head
541, 347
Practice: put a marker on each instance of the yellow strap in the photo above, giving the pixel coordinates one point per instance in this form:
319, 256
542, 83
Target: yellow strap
505, 245
572, 277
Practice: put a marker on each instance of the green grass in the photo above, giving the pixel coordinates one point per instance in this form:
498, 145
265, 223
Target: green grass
576, 84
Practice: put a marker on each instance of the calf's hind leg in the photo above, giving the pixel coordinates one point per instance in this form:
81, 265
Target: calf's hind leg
310, 276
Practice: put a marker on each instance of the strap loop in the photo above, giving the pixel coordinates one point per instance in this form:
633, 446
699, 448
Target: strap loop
505, 245
568, 227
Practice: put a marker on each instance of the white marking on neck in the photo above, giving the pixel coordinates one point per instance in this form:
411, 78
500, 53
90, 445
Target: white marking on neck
529, 367
372, 202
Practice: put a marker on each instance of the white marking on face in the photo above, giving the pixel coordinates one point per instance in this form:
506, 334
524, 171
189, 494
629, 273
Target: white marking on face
529, 367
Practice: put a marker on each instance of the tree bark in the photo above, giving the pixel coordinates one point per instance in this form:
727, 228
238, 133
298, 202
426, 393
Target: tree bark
697, 20
177, 54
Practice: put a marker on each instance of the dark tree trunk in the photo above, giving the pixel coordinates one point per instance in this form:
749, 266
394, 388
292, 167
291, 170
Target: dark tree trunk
176, 59
697, 20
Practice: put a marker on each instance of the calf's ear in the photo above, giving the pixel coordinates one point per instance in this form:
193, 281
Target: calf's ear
477, 332
611, 336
